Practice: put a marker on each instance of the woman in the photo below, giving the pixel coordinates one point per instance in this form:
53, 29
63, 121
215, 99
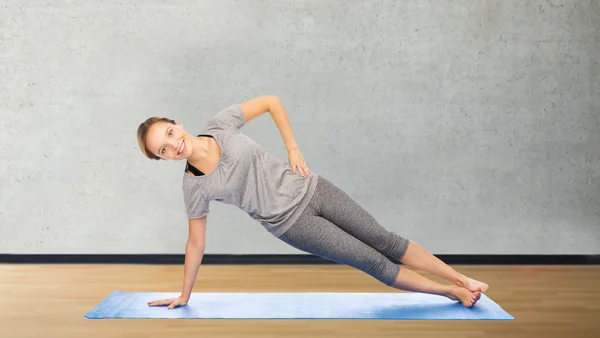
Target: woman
295, 205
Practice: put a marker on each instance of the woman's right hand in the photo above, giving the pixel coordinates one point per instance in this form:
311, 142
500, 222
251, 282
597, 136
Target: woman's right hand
171, 302
194, 251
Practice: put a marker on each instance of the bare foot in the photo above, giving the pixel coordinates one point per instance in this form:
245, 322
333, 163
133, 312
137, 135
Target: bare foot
472, 284
466, 297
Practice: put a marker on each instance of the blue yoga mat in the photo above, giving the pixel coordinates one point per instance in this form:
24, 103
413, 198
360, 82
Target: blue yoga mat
399, 306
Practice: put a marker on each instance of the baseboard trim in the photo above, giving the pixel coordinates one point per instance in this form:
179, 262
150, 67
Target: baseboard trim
222, 259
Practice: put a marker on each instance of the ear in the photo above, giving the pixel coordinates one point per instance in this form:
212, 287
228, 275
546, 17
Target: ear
179, 125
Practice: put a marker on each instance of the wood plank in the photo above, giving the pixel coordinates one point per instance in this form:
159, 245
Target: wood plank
51, 301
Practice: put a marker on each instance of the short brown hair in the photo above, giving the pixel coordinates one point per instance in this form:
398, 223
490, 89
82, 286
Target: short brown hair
143, 131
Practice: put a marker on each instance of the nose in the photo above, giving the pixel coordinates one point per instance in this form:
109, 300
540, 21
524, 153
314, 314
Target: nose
174, 145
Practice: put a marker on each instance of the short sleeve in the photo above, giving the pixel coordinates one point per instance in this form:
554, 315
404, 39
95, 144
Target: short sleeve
230, 118
196, 205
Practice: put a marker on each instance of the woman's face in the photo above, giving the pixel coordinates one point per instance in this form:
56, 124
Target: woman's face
169, 141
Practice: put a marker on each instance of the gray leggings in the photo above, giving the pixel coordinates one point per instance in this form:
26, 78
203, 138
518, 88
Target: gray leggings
336, 228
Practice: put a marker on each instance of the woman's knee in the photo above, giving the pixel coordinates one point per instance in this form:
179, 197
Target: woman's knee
381, 268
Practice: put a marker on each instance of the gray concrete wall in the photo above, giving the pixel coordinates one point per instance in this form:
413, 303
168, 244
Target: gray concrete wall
471, 127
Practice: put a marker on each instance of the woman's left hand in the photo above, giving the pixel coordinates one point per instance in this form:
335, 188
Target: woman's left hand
297, 162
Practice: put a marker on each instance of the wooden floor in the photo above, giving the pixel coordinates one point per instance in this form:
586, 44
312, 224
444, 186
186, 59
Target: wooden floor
51, 301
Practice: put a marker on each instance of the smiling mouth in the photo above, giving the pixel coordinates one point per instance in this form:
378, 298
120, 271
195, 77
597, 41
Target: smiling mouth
181, 148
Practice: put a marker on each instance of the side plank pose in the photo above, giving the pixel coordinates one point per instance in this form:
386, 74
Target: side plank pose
299, 207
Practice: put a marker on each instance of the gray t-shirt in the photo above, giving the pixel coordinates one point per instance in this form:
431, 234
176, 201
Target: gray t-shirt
248, 177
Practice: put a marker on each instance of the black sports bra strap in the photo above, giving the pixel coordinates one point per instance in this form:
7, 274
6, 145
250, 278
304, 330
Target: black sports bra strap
193, 169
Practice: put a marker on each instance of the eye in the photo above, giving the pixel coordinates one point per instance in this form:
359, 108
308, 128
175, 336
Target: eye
162, 151
170, 133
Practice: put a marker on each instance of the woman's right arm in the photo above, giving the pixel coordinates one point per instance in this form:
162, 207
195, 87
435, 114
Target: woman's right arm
194, 252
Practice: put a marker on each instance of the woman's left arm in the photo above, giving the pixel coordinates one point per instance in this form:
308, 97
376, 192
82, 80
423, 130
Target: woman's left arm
263, 104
